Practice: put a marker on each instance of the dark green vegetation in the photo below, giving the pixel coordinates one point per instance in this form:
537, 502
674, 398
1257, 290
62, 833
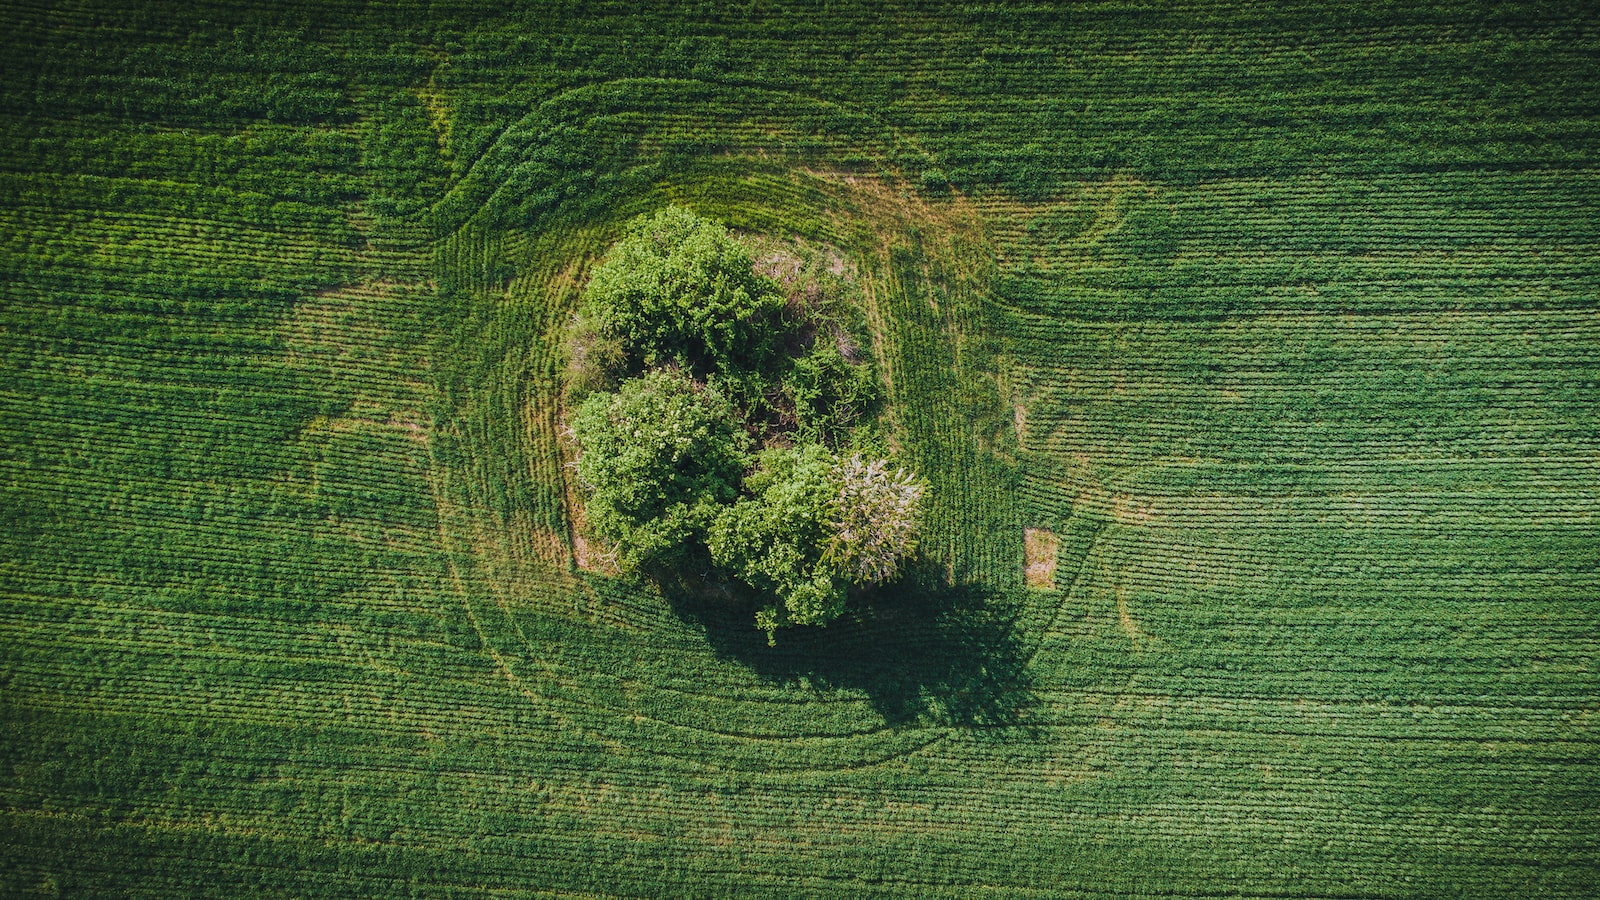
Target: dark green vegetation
1281, 317
662, 460
680, 289
661, 457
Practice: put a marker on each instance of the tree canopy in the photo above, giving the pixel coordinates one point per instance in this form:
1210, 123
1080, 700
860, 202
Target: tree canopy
872, 520
659, 458
811, 525
666, 458
680, 289
774, 537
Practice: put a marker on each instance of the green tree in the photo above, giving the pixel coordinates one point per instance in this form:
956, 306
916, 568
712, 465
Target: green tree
679, 288
773, 539
659, 459
811, 526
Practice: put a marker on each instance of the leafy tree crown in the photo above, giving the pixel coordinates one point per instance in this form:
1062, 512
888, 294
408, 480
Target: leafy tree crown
679, 288
658, 458
811, 525
665, 457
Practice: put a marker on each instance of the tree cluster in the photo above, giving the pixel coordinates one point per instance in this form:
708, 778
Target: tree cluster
725, 422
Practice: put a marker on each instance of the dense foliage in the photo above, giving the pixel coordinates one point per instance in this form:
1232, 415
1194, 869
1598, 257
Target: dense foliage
808, 526
814, 525
680, 289
774, 538
829, 392
660, 456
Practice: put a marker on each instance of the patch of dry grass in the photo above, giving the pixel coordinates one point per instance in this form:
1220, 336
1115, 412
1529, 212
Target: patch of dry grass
1039, 547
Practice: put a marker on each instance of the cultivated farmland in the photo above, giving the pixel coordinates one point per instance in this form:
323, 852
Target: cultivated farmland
1251, 353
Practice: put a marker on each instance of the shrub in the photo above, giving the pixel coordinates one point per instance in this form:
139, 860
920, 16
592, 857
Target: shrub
830, 393
658, 458
773, 539
593, 360
680, 289
874, 519
811, 525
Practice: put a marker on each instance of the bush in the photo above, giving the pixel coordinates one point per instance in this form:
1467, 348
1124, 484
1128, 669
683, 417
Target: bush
680, 289
773, 539
874, 519
811, 525
593, 360
830, 393
659, 459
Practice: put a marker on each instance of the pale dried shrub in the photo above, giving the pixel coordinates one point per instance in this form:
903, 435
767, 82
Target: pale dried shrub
875, 519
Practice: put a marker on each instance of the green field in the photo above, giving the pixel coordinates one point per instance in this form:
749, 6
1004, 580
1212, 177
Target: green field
1283, 317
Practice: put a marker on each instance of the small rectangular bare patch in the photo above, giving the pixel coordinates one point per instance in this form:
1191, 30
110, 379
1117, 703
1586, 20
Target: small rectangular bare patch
1040, 546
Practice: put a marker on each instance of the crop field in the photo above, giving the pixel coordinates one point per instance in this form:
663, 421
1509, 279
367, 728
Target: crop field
1251, 352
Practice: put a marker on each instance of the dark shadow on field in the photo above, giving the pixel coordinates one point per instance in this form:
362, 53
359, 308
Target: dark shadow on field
921, 649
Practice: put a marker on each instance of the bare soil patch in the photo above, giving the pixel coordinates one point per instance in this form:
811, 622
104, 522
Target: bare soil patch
1040, 546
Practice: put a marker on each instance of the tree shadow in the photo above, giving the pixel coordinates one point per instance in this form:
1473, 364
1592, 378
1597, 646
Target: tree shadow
920, 649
